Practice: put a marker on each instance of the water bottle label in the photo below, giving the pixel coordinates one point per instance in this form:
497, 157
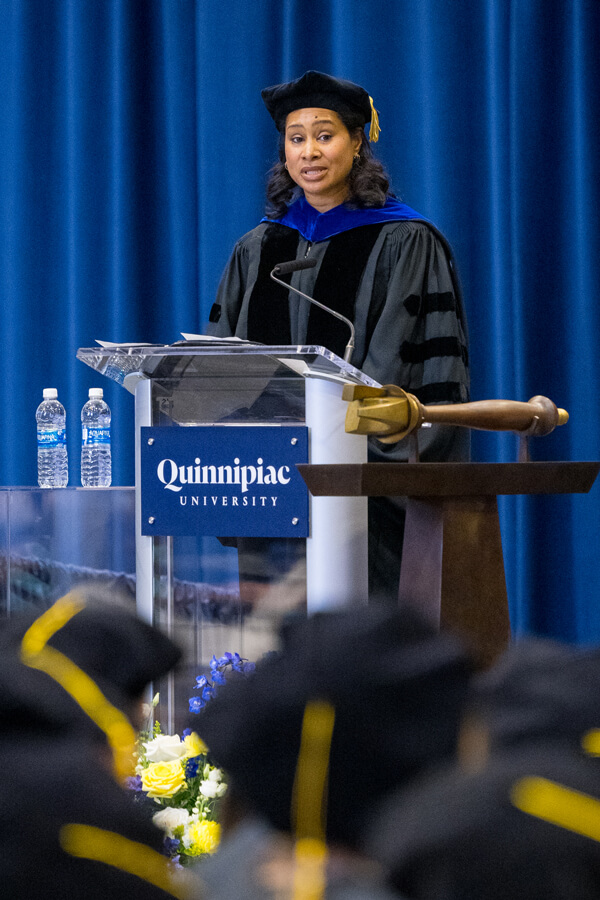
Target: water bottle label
94, 437
51, 437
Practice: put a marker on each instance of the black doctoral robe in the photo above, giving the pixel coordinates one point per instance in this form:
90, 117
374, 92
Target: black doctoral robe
392, 273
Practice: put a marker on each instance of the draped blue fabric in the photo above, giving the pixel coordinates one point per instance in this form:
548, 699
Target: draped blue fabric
133, 152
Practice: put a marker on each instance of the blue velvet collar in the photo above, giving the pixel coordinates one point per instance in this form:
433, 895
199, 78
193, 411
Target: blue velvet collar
315, 226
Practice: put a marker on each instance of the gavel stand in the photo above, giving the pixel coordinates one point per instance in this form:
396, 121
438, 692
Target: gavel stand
452, 561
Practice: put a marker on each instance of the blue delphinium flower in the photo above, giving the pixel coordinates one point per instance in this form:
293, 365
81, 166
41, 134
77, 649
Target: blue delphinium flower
196, 704
218, 667
222, 661
134, 782
171, 847
191, 766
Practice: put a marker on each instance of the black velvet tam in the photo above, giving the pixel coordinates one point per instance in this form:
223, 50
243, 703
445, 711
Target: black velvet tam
397, 688
315, 89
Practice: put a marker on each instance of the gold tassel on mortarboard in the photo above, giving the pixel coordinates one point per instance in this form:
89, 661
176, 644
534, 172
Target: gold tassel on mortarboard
559, 805
36, 653
374, 130
309, 805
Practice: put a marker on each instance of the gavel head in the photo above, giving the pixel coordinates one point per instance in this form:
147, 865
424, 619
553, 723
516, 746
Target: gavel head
547, 416
388, 413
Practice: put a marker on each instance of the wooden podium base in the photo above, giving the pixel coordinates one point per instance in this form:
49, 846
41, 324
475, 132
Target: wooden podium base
452, 560
453, 570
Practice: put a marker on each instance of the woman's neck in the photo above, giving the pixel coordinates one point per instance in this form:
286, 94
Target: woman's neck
324, 204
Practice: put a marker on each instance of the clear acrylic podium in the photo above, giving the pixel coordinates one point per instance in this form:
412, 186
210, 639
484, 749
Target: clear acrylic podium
239, 383
52, 541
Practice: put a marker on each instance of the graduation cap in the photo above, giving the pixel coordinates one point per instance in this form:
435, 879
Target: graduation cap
81, 654
527, 826
539, 689
105, 639
73, 668
316, 89
113, 645
396, 688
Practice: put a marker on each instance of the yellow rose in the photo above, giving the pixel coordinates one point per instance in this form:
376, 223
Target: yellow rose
195, 745
204, 837
163, 779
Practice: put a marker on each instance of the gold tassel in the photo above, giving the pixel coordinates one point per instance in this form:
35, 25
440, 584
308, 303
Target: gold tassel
309, 803
374, 130
559, 805
36, 653
591, 742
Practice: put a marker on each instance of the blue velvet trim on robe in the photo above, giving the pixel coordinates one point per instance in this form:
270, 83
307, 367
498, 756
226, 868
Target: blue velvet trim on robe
315, 226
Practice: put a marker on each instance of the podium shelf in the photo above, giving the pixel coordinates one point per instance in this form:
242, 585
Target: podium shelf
456, 479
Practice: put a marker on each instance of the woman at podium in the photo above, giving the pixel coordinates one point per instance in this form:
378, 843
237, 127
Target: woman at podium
379, 263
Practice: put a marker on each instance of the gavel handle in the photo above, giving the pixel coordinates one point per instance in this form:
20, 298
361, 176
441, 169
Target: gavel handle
538, 416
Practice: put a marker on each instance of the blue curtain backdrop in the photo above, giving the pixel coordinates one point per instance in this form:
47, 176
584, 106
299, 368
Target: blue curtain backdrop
133, 153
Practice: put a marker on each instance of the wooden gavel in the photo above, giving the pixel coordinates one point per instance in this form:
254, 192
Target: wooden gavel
390, 414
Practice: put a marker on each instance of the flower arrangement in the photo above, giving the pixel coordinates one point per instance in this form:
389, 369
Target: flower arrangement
174, 773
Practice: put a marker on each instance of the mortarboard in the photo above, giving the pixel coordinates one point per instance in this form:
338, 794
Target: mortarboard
397, 689
527, 826
106, 641
539, 689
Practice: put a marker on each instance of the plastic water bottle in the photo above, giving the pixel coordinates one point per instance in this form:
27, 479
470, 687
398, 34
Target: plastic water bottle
53, 466
95, 441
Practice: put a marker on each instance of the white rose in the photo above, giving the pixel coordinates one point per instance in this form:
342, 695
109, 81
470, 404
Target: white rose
170, 817
215, 775
164, 748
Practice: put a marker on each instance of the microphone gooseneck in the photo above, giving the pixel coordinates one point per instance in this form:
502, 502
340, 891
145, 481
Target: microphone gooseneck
296, 265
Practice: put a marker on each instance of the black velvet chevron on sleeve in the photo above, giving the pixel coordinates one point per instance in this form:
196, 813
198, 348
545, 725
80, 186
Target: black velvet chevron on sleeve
440, 392
444, 302
412, 353
419, 352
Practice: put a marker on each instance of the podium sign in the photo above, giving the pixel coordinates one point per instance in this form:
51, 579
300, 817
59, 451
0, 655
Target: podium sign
224, 480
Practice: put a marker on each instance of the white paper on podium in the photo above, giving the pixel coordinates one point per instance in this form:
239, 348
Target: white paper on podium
111, 345
211, 337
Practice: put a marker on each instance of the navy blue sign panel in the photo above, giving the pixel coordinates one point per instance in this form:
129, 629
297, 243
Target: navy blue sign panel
224, 480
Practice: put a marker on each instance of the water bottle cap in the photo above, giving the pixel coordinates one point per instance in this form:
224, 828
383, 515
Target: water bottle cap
50, 393
96, 393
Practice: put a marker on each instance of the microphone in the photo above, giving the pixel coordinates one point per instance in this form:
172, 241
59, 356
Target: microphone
295, 265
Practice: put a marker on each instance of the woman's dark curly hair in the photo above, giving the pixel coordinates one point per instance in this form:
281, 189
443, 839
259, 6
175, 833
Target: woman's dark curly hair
368, 182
